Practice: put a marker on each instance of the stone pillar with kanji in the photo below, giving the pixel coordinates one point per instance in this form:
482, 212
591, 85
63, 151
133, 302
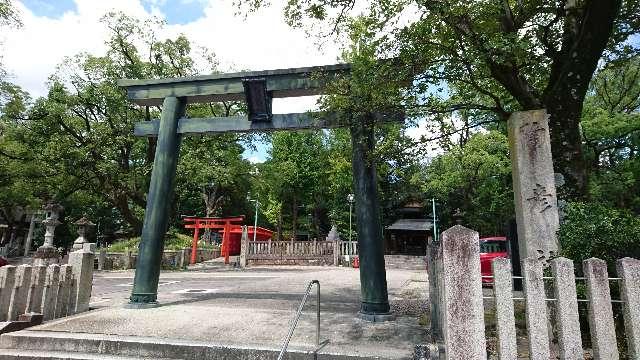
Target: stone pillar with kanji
534, 189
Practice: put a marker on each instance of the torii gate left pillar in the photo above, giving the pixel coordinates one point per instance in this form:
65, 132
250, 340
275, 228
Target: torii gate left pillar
145, 284
258, 89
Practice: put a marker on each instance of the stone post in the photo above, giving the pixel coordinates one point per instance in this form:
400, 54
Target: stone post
505, 318
569, 338
244, 246
335, 238
81, 262
7, 280
29, 239
536, 309
102, 256
65, 283
601, 325
463, 311
50, 292
127, 259
21, 288
629, 271
434, 291
34, 300
83, 225
534, 189
47, 253
183, 255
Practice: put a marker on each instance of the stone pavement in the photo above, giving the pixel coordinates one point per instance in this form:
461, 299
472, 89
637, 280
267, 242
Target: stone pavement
254, 307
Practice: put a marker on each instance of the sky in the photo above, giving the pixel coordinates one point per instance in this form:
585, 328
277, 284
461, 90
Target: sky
54, 29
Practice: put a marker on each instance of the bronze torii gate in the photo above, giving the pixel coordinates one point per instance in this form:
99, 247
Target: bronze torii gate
258, 89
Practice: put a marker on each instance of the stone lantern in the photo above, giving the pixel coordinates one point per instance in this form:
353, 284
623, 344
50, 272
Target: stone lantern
83, 225
47, 253
458, 216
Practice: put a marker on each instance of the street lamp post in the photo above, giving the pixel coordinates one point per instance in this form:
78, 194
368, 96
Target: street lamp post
350, 199
255, 220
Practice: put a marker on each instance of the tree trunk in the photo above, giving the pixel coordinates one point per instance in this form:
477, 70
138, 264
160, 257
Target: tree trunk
587, 30
123, 207
566, 147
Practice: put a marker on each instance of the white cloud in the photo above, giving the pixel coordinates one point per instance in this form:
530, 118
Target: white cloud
261, 41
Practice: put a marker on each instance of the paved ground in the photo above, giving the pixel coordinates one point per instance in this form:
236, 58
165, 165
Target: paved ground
255, 306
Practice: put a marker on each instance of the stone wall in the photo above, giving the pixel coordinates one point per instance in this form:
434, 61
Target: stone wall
170, 258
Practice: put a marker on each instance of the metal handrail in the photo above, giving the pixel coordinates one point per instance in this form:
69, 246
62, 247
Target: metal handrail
319, 345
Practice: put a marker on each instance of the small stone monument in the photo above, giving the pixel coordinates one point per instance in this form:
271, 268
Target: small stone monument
83, 225
47, 253
334, 237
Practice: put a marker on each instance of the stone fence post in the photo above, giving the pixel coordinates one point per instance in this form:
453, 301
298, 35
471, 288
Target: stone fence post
102, 256
34, 299
244, 246
7, 279
629, 271
127, 259
81, 262
335, 238
21, 289
462, 311
601, 324
50, 292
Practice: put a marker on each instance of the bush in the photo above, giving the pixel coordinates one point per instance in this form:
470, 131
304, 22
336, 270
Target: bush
595, 230
173, 241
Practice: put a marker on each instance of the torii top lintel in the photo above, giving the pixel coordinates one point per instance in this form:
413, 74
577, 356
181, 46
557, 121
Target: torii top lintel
257, 88
280, 83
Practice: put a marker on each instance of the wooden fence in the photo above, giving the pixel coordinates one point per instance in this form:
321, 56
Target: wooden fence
298, 252
54, 291
460, 321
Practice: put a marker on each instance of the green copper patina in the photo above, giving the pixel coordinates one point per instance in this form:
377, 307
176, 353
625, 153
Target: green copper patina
258, 88
145, 285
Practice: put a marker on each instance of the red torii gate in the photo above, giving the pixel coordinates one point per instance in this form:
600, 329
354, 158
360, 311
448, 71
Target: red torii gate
223, 224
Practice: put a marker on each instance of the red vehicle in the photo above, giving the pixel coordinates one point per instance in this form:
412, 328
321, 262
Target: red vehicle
491, 248
3, 261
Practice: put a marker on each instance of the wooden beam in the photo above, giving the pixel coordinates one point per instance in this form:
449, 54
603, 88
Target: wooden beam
227, 87
295, 121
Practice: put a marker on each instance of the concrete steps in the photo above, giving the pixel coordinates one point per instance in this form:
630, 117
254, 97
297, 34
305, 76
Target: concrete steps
35, 344
9, 354
406, 262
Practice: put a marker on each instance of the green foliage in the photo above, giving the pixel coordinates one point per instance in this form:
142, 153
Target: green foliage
173, 241
485, 58
76, 145
595, 230
475, 177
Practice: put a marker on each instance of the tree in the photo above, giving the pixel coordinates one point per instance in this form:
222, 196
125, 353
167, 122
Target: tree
611, 128
475, 177
494, 57
293, 174
23, 180
82, 132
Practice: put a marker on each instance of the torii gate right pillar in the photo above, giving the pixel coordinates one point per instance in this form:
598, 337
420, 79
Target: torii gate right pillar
373, 280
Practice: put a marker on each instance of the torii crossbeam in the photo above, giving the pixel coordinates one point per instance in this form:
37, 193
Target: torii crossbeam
258, 89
